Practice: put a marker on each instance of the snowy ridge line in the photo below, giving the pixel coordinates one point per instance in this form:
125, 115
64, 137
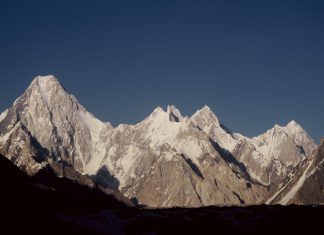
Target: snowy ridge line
136, 159
3, 115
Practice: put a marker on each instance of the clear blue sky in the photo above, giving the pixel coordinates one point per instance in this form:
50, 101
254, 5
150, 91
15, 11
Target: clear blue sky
255, 63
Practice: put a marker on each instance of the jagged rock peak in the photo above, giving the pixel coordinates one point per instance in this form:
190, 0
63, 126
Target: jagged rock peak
174, 114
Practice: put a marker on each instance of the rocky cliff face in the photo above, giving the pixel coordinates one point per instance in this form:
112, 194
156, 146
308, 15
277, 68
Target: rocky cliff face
164, 161
312, 190
306, 184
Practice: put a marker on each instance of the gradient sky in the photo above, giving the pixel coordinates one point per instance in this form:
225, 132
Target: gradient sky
255, 63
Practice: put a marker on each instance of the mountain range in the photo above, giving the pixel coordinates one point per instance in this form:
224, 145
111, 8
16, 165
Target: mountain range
167, 160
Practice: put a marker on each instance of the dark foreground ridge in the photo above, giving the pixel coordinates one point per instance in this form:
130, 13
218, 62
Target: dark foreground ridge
64, 206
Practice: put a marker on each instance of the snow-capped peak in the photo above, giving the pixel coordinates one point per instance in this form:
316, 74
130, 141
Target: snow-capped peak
293, 123
46, 82
148, 156
158, 111
275, 132
291, 127
206, 115
48, 88
174, 114
301, 137
46, 78
207, 121
294, 127
280, 134
206, 107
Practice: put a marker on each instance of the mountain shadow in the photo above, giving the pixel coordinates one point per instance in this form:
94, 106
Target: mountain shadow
230, 159
28, 207
193, 166
105, 179
64, 206
65, 179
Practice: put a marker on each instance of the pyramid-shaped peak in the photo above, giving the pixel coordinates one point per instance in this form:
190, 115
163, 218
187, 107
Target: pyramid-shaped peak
46, 83
48, 88
174, 114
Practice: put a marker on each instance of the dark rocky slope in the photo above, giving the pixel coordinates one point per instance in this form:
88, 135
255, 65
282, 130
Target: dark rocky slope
67, 207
